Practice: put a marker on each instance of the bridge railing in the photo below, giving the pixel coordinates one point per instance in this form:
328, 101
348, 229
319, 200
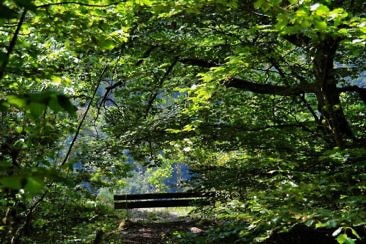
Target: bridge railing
155, 200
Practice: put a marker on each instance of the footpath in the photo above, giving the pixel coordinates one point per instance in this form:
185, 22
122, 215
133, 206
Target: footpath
151, 226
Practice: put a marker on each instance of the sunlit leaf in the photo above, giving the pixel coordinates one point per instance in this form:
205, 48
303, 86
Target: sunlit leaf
18, 101
56, 80
344, 239
107, 44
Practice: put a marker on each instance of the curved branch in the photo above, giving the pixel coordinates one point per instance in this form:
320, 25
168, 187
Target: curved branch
271, 89
78, 3
253, 86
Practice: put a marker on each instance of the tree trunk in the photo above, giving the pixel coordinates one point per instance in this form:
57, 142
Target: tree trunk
329, 105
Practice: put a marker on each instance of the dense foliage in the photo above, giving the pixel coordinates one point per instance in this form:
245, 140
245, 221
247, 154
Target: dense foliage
264, 100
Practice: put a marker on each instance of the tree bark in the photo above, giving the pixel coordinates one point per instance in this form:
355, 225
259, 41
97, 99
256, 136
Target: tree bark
329, 105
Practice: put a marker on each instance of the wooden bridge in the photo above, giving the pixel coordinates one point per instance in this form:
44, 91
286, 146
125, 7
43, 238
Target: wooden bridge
155, 200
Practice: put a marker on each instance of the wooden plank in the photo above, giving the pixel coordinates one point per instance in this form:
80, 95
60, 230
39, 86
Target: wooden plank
157, 196
159, 203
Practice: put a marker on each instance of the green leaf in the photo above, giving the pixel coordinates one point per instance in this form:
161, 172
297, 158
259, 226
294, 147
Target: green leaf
321, 10
56, 80
258, 4
34, 185
344, 239
107, 45
321, 25
19, 129
65, 103
54, 104
363, 29
328, 224
12, 182
355, 233
36, 109
343, 32
20, 144
301, 13
18, 101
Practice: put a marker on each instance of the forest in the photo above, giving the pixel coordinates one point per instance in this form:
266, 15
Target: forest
263, 101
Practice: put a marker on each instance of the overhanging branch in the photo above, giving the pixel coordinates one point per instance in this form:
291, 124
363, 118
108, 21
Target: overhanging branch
271, 89
252, 85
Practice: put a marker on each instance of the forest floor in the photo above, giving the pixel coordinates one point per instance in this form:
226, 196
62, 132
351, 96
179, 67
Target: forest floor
152, 226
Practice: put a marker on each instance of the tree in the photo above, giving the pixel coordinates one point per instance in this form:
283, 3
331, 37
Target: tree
46, 68
274, 48
264, 100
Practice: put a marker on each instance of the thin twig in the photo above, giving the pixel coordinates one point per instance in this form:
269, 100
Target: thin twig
84, 116
159, 85
12, 44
